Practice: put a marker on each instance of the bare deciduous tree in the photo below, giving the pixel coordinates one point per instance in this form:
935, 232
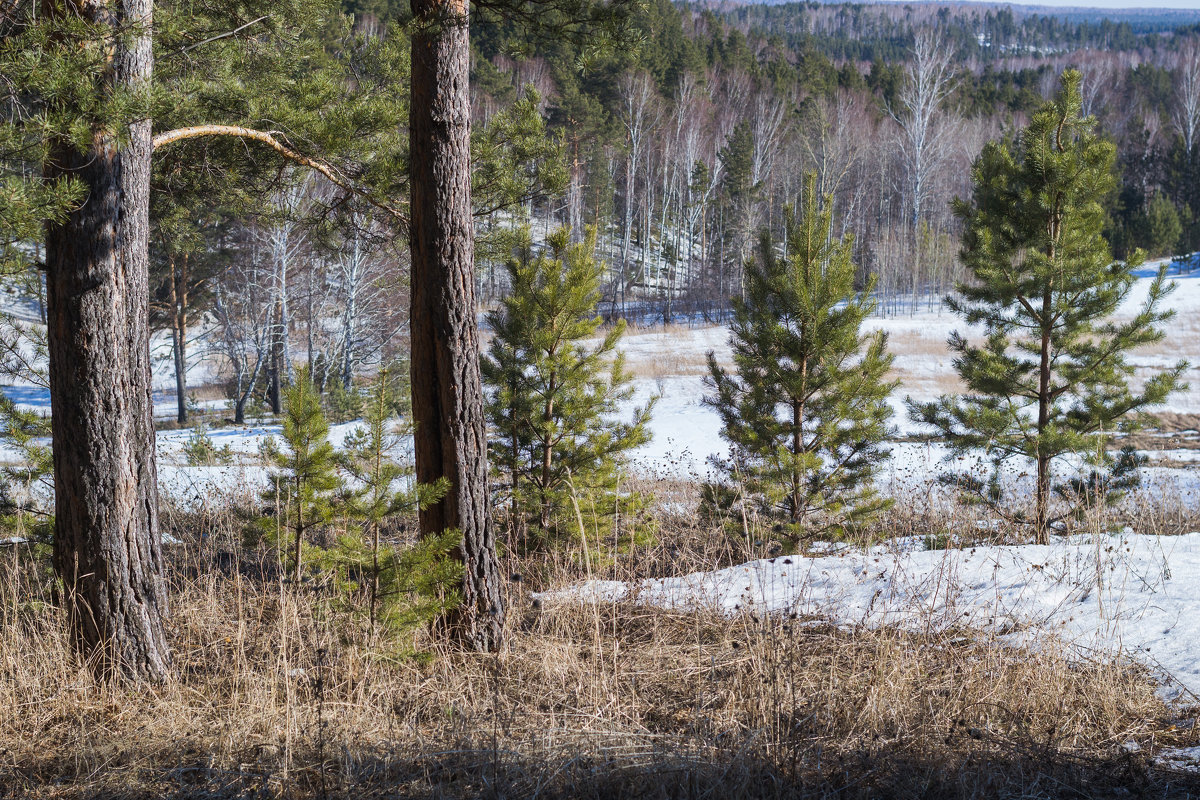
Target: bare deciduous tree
284, 239
836, 139
639, 116
1187, 96
361, 276
926, 134
244, 309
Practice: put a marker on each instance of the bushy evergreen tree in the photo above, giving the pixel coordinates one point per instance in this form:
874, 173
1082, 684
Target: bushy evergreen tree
554, 395
305, 481
343, 404
407, 585
1162, 228
27, 487
201, 451
1051, 377
805, 411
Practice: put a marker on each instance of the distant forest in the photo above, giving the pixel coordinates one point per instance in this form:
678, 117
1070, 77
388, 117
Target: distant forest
721, 110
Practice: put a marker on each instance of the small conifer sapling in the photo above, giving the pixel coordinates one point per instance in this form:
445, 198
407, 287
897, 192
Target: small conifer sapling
379, 489
805, 408
1050, 378
306, 477
554, 395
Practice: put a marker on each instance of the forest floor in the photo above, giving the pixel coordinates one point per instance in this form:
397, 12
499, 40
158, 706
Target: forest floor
283, 692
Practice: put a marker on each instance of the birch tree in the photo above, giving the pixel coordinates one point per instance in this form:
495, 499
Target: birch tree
284, 240
1186, 115
244, 312
360, 291
926, 135
837, 137
638, 116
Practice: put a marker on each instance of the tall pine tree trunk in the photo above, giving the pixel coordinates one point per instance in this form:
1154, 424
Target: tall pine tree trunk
106, 541
447, 394
179, 302
1042, 492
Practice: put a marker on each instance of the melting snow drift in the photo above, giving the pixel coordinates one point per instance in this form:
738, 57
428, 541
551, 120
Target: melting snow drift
1124, 592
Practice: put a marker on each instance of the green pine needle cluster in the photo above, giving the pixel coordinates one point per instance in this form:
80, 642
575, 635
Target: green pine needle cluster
805, 410
1050, 378
305, 481
558, 451
27, 487
515, 159
337, 515
406, 586
201, 451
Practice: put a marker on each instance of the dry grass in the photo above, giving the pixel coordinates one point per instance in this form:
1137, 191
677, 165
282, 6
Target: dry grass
670, 365
276, 697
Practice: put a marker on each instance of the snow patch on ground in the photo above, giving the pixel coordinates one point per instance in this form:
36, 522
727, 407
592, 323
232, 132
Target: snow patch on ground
195, 486
1186, 759
1112, 593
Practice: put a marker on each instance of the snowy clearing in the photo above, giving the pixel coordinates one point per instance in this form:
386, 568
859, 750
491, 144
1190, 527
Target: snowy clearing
670, 363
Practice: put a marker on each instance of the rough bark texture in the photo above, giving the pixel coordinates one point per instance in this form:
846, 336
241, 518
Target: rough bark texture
446, 387
106, 544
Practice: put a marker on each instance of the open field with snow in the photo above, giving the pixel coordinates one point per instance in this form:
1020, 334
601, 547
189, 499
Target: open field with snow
671, 363
1099, 593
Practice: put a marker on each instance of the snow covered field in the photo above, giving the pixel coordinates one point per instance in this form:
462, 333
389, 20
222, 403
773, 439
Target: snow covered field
195, 486
1103, 593
671, 364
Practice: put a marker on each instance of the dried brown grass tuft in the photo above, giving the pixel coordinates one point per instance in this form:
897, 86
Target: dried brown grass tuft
275, 696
